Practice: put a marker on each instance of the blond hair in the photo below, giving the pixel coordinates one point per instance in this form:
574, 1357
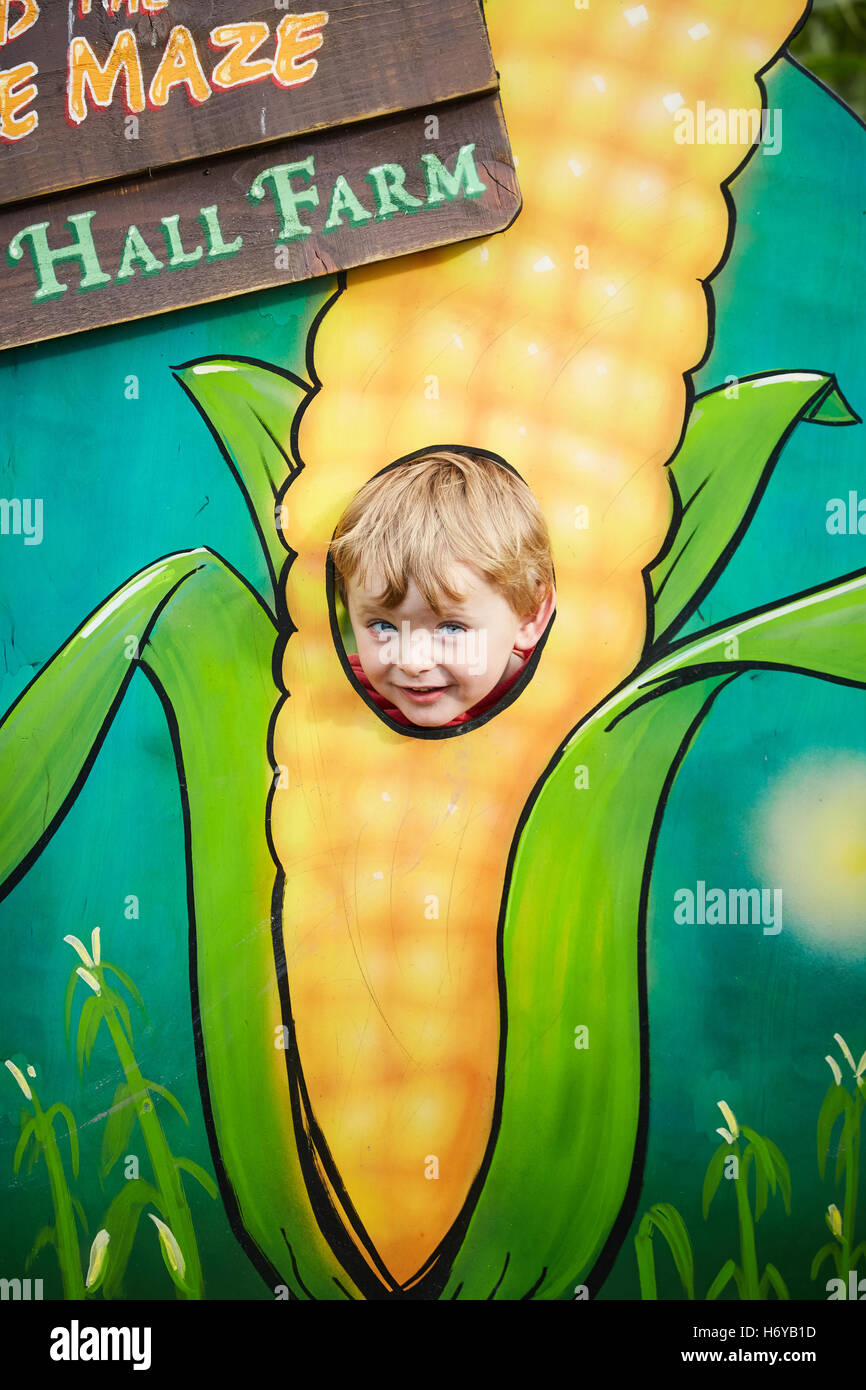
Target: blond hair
417, 516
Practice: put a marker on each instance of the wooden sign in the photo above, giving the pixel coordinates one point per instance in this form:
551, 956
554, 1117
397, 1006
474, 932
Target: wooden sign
247, 145
291, 211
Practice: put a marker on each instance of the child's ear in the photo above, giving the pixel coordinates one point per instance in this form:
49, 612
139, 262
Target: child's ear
531, 628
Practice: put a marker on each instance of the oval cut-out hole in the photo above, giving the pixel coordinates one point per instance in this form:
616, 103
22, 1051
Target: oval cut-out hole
441, 590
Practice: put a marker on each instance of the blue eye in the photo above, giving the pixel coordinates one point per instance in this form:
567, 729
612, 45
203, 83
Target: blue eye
378, 626
456, 627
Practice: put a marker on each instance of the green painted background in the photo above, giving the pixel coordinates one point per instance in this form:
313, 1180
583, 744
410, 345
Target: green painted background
733, 1014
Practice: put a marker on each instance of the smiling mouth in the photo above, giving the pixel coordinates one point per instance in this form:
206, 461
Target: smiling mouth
415, 691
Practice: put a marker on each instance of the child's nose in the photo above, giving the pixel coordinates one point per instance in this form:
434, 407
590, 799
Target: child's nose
418, 655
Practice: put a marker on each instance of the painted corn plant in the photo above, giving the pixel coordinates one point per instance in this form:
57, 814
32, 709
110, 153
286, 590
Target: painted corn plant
848, 1106
572, 930
39, 1140
772, 1174
134, 1102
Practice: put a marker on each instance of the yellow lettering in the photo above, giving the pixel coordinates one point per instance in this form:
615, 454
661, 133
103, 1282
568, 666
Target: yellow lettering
296, 38
149, 6
85, 71
179, 66
13, 98
244, 39
25, 21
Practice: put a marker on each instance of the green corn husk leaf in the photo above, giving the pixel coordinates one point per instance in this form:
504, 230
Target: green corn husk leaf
762, 1188
195, 1170
47, 1236
585, 859
33, 1155
251, 409
719, 474
69, 1001
89, 1024
27, 1133
783, 1173
632, 747
598, 854
197, 620
772, 1279
823, 1254
763, 1161
129, 983
79, 1212
846, 1139
60, 1109
166, 1095
727, 1272
115, 1001
646, 1267
121, 1222
814, 633
713, 1177
118, 1128
88, 677
670, 1224
837, 1102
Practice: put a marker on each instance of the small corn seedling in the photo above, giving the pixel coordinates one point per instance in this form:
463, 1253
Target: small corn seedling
771, 1171
840, 1103
667, 1221
37, 1136
133, 1101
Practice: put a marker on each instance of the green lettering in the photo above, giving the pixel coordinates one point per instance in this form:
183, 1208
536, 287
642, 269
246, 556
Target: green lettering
343, 200
286, 198
388, 182
217, 248
442, 185
83, 250
178, 257
136, 250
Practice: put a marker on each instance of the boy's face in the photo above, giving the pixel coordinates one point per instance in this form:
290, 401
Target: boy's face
435, 667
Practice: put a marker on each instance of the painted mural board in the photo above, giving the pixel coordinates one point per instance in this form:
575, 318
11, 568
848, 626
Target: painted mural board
283, 212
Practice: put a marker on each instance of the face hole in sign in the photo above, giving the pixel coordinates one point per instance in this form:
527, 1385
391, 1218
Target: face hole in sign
441, 590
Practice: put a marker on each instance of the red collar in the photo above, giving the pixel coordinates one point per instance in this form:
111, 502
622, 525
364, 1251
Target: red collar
490, 699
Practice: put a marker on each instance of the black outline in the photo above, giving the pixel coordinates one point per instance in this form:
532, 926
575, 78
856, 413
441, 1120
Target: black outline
806, 414
441, 731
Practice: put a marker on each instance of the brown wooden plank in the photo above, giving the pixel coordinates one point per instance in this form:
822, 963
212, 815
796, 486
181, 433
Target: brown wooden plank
379, 57
478, 195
